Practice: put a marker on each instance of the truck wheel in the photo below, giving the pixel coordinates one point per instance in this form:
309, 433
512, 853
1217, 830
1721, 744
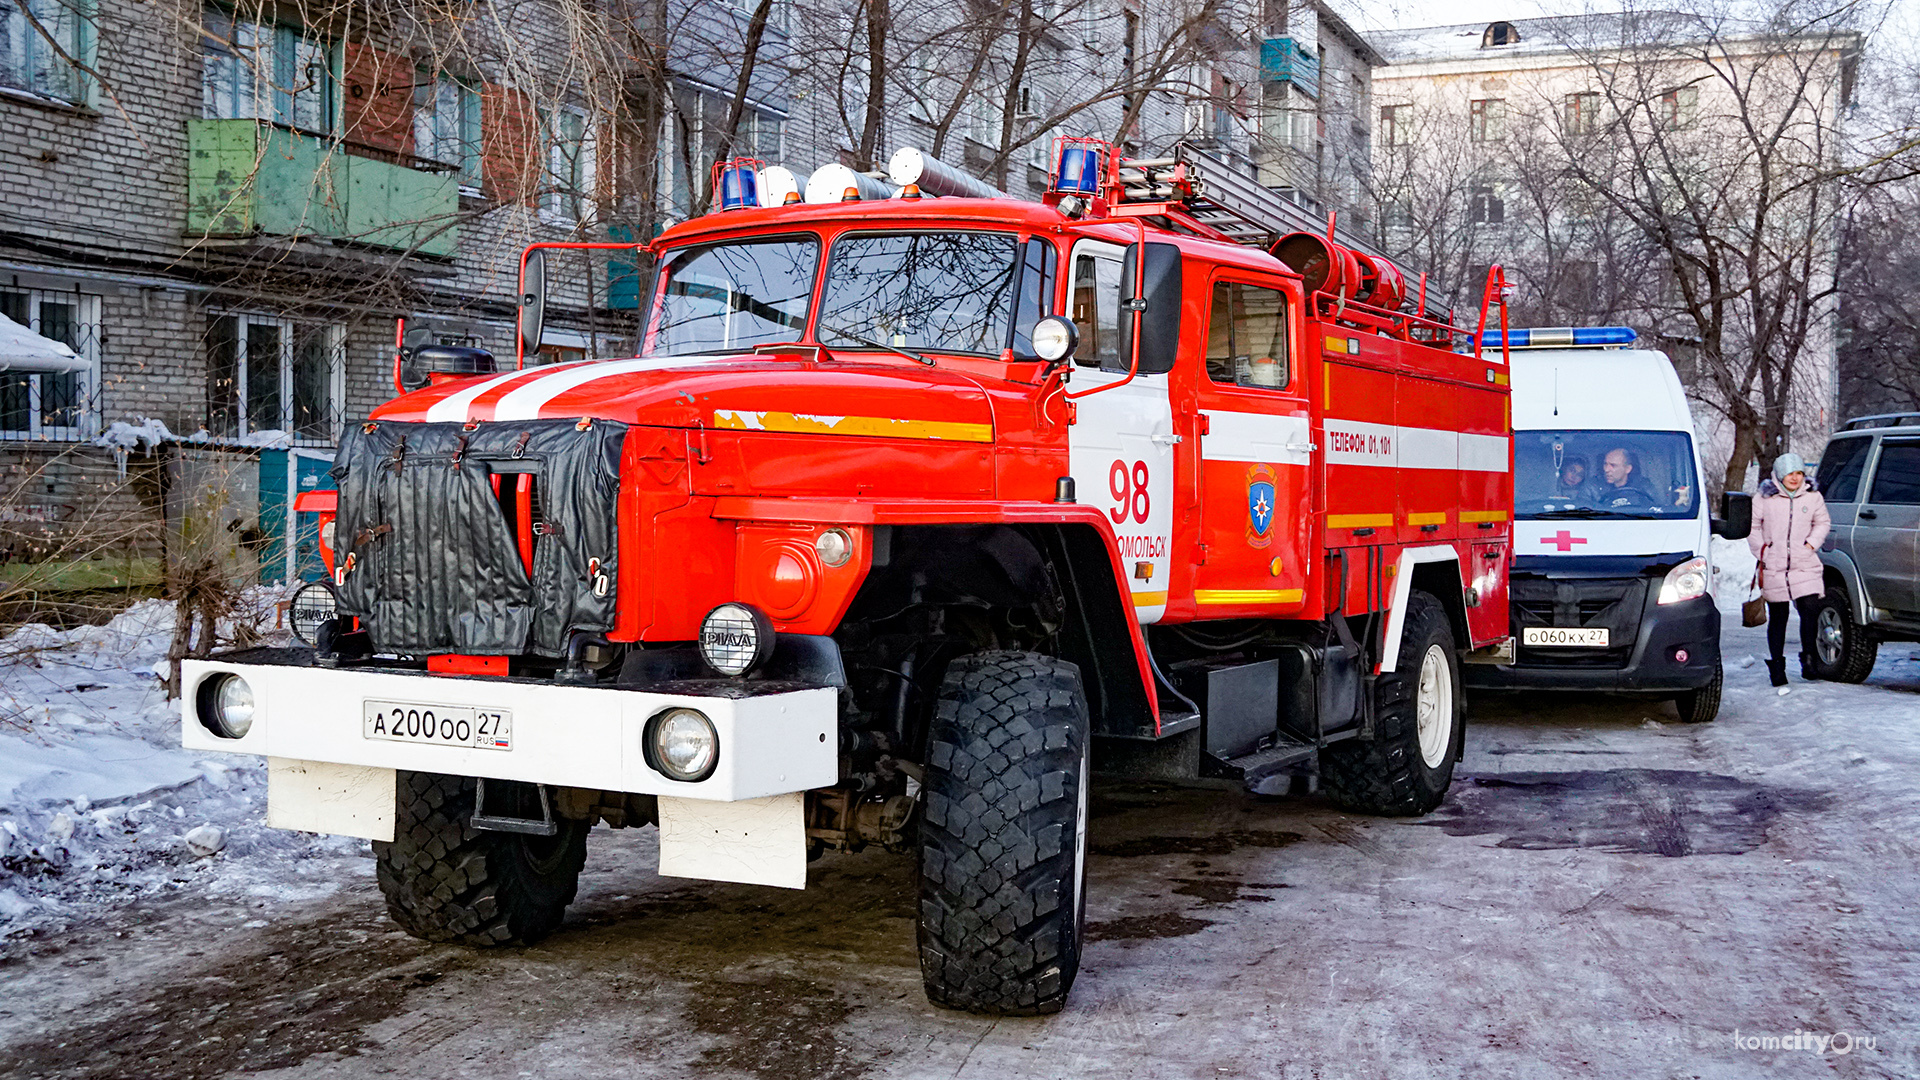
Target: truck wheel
1003, 842
1702, 705
447, 881
1406, 768
1842, 649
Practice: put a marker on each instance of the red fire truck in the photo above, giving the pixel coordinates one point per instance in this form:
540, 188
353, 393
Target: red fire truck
909, 514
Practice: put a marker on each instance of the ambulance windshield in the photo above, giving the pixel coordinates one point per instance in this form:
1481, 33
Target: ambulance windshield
731, 297
947, 292
1603, 474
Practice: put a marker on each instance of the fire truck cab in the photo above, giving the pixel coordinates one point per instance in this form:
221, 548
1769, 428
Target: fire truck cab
909, 515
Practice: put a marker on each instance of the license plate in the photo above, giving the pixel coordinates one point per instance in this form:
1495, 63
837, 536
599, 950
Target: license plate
441, 725
1583, 637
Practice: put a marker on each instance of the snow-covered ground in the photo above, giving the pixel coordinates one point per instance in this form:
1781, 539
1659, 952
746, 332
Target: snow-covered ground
99, 805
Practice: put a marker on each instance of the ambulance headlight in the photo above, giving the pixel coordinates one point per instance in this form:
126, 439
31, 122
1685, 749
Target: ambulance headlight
682, 745
735, 638
1685, 582
1054, 338
224, 704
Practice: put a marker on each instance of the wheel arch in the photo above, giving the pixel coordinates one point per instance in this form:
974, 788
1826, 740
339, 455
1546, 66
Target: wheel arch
1434, 569
1840, 570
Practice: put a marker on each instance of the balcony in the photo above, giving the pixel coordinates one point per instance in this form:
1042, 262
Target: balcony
248, 178
1282, 59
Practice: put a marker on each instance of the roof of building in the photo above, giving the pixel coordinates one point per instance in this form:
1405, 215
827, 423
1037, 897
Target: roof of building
1331, 20
1554, 34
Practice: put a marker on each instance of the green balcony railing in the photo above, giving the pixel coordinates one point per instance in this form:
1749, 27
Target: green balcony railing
1282, 59
252, 178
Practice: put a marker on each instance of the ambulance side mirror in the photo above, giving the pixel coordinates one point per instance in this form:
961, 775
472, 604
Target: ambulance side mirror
1736, 515
533, 304
1160, 322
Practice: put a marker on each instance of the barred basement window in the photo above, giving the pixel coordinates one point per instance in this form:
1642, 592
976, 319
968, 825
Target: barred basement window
60, 407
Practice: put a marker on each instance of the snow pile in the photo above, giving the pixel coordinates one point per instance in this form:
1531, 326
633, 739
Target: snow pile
99, 805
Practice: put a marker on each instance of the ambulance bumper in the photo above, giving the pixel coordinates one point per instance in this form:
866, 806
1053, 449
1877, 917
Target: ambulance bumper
1666, 633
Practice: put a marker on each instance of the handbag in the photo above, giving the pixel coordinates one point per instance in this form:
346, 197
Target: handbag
1754, 611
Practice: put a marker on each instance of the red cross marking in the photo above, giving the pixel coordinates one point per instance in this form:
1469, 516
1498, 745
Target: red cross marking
1564, 540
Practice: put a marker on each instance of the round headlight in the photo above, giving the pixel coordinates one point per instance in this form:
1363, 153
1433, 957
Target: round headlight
225, 705
1054, 338
834, 547
735, 638
683, 744
312, 605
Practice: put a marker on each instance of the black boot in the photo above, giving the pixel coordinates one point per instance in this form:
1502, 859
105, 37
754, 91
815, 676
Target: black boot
1806, 668
1777, 671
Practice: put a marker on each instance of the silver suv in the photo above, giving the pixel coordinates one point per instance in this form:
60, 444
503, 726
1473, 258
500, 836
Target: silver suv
1870, 476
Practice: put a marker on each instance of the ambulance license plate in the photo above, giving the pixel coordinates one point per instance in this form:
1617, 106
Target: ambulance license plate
1579, 637
441, 725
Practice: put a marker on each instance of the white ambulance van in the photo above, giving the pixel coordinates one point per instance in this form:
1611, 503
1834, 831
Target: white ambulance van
1610, 584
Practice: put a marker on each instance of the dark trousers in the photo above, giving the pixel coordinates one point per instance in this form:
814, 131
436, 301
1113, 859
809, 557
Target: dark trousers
1777, 624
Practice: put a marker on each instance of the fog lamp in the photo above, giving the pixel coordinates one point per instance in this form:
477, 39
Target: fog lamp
735, 638
682, 744
834, 547
224, 704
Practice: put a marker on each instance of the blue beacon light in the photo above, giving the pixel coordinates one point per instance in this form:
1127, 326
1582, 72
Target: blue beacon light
739, 187
1550, 337
1079, 171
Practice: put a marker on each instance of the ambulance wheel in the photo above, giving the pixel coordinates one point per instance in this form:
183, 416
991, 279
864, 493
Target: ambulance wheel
447, 881
1702, 705
1842, 650
1003, 841
1419, 725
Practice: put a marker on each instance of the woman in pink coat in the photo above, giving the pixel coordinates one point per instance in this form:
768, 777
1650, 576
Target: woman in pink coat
1789, 524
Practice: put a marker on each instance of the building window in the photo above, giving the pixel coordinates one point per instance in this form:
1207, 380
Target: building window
1487, 119
272, 374
28, 61
1090, 22
1498, 34
1220, 110
62, 405
1676, 108
1484, 206
570, 169
446, 124
1394, 121
258, 70
1583, 113
760, 135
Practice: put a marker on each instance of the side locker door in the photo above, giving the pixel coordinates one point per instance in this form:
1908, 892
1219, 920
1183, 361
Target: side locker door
1256, 450
1120, 447
1360, 454
1886, 540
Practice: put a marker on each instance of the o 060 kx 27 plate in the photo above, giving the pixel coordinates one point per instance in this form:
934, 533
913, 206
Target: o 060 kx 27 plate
441, 725
1578, 637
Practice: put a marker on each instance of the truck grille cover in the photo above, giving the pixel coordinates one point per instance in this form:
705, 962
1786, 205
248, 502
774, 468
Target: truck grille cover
437, 553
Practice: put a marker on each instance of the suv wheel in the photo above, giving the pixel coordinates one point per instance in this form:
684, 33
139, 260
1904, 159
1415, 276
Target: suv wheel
1003, 843
1843, 651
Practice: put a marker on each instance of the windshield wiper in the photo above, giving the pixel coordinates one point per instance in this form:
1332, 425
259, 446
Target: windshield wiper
1577, 512
872, 344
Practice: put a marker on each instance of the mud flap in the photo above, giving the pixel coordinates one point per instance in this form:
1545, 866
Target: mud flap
752, 841
322, 797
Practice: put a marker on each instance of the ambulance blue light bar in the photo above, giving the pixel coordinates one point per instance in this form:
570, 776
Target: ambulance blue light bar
1560, 337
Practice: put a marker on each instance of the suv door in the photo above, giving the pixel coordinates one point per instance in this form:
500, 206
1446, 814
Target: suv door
1842, 467
1886, 532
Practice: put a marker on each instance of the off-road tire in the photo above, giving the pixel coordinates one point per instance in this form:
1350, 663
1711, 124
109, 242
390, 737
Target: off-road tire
1858, 649
1387, 774
1003, 840
447, 881
1702, 705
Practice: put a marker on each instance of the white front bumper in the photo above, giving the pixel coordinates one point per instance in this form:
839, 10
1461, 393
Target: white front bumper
572, 736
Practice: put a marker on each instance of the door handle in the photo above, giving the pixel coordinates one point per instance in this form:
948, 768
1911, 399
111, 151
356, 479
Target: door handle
1301, 447
1868, 514
1166, 440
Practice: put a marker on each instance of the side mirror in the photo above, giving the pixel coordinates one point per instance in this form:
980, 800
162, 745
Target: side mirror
1160, 322
1736, 515
533, 303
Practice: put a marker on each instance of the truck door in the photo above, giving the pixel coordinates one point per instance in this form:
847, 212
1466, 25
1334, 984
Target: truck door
1120, 448
1255, 452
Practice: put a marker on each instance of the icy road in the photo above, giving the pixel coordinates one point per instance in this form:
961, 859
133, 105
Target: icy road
1606, 893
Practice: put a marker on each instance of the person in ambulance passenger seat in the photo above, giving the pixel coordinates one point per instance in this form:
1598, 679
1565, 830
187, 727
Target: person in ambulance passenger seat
1790, 523
1623, 482
1573, 479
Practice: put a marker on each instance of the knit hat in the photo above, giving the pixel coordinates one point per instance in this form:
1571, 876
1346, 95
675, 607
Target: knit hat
1786, 465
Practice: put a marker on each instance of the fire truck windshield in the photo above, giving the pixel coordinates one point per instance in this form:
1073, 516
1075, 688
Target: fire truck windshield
734, 296
944, 292
1585, 474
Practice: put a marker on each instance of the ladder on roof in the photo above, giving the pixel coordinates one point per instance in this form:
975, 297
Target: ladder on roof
1231, 203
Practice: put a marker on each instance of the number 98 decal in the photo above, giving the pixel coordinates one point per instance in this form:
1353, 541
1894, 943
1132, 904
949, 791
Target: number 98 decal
1130, 496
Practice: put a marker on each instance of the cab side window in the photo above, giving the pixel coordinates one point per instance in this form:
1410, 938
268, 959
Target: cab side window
1247, 336
1840, 469
1896, 479
1095, 303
